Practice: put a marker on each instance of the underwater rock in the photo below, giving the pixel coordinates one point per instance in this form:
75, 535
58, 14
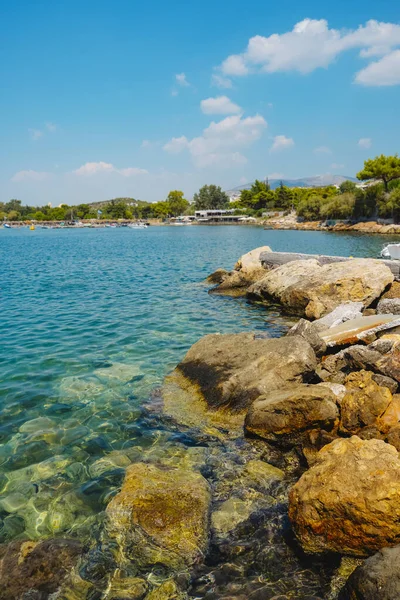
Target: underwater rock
349, 500
168, 590
161, 516
307, 288
286, 417
378, 578
126, 588
36, 569
229, 514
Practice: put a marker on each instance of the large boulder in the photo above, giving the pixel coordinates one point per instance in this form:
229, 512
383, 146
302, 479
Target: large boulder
161, 516
378, 578
307, 288
232, 370
349, 500
286, 417
248, 270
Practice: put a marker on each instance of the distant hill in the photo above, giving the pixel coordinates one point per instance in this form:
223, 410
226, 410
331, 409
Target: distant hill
316, 181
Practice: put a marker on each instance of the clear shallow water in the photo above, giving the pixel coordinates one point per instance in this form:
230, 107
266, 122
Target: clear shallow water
91, 321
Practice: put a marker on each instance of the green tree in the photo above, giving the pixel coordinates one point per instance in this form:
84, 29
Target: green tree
310, 208
210, 197
177, 203
259, 186
384, 168
338, 207
161, 210
39, 216
347, 186
283, 196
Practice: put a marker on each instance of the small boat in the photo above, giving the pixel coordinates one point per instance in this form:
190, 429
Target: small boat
7, 226
138, 225
391, 251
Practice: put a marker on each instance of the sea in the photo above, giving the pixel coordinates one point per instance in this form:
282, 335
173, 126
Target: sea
91, 321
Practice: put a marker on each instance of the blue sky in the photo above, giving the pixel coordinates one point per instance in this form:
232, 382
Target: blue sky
104, 99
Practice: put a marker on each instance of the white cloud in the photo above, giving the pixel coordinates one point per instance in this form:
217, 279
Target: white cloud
52, 127
35, 133
365, 142
174, 92
322, 150
311, 45
181, 80
176, 145
221, 142
221, 105
336, 166
234, 65
281, 142
385, 71
146, 144
276, 176
30, 175
93, 168
220, 81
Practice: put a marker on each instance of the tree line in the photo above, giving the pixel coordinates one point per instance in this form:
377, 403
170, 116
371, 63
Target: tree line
382, 199
209, 196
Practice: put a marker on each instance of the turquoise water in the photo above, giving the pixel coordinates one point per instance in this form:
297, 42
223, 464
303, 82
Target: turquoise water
91, 321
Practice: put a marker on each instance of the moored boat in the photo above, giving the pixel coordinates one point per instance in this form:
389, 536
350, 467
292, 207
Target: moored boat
391, 251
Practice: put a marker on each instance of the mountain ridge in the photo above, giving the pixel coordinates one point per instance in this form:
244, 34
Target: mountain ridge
313, 181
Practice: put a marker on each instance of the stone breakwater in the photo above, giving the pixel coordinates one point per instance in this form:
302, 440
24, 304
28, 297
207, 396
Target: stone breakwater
281, 478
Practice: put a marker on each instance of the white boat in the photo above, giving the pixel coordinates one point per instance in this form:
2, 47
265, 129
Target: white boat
138, 225
391, 251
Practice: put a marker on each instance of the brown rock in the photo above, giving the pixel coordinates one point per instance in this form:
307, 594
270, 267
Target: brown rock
218, 276
307, 288
349, 501
36, 567
364, 403
232, 370
393, 291
309, 332
161, 516
389, 364
287, 417
248, 270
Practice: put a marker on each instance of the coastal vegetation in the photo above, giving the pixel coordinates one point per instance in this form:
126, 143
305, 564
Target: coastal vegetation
379, 197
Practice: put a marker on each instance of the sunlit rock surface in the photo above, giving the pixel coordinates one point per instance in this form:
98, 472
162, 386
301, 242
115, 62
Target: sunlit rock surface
349, 500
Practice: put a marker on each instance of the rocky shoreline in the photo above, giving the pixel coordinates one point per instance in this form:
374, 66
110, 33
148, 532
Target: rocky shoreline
369, 227
281, 478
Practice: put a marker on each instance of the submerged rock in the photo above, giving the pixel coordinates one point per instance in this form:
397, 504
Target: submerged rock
377, 579
168, 590
307, 288
232, 370
287, 417
36, 569
161, 516
349, 500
